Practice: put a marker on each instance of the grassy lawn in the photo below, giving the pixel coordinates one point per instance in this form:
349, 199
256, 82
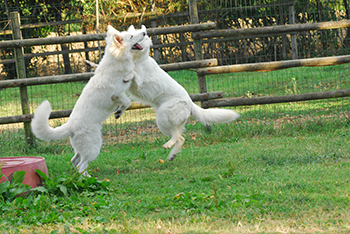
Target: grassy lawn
281, 168
240, 177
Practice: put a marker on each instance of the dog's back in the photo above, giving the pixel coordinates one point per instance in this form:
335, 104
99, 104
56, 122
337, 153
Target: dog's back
157, 86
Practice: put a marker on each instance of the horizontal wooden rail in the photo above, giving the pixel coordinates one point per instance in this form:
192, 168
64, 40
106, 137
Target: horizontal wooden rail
280, 29
276, 99
189, 64
46, 80
181, 28
101, 36
271, 66
28, 56
86, 76
44, 24
66, 113
51, 40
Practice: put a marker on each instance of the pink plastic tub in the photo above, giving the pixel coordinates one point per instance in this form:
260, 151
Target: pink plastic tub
27, 164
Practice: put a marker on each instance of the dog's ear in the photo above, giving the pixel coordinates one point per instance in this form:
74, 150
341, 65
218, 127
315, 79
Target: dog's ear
110, 27
118, 38
111, 30
131, 28
143, 28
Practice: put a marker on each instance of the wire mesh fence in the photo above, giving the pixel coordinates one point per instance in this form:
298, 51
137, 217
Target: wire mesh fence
136, 124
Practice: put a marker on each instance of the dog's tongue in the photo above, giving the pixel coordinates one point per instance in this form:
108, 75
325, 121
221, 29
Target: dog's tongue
137, 47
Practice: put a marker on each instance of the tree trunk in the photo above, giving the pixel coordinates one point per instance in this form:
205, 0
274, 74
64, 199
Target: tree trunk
60, 31
347, 37
323, 34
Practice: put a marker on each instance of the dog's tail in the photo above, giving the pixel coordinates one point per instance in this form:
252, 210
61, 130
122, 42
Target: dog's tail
210, 116
42, 129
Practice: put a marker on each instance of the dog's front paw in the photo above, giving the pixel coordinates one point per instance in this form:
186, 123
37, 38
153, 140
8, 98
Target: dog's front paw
128, 77
118, 114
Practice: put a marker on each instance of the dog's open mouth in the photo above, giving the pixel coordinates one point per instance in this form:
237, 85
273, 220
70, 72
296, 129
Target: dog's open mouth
137, 47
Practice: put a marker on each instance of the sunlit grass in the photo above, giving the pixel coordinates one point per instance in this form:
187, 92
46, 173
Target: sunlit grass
280, 168
246, 177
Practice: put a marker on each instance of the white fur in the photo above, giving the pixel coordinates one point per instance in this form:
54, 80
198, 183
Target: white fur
104, 93
171, 101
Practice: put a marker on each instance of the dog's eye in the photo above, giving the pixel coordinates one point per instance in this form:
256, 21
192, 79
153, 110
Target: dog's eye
131, 36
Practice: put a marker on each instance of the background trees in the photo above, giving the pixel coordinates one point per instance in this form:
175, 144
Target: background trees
66, 16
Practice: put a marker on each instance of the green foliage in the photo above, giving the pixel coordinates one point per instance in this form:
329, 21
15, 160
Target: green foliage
62, 186
9, 191
71, 184
44, 204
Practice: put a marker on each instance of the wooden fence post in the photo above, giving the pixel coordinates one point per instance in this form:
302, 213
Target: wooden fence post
198, 55
282, 15
293, 36
155, 40
156, 53
21, 73
197, 44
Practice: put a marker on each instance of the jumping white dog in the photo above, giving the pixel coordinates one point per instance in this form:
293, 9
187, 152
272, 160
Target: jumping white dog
173, 105
103, 94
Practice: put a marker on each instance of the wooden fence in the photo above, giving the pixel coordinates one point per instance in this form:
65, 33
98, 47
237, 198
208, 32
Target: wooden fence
204, 67
22, 82
25, 82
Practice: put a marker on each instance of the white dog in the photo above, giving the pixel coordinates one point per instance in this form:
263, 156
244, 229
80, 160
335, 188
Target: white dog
102, 95
173, 106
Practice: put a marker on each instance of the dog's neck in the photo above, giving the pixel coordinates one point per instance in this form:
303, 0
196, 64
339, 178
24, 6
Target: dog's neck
125, 63
140, 56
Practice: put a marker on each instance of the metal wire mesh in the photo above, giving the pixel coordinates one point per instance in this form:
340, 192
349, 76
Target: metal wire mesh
227, 15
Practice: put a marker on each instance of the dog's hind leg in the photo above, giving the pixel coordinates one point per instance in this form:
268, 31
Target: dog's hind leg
170, 143
82, 167
76, 159
171, 120
87, 146
177, 148
86, 158
177, 140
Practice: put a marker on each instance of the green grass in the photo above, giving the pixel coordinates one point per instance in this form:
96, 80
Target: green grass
243, 177
279, 168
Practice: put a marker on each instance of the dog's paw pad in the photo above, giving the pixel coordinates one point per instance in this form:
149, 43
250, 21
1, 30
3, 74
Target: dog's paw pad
171, 157
117, 114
